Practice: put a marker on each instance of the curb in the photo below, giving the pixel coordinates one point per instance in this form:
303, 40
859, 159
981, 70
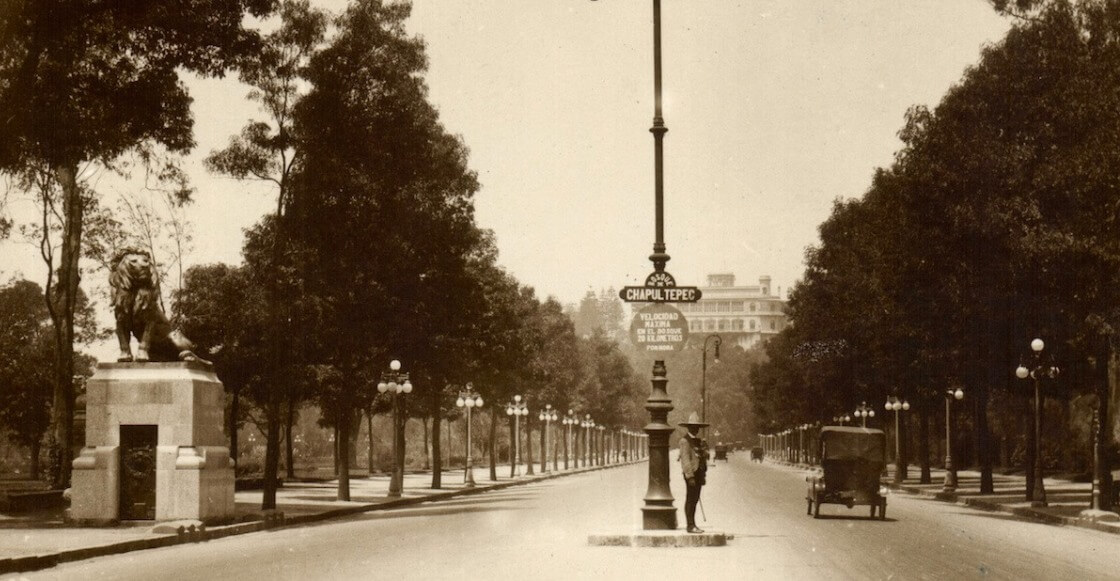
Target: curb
272, 520
1020, 511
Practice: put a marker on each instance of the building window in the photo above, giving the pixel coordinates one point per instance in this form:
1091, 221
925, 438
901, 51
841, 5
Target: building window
773, 325
754, 307
710, 307
737, 325
725, 306
752, 324
709, 325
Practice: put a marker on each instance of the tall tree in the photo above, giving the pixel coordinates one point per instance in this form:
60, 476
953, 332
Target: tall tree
67, 71
270, 151
382, 202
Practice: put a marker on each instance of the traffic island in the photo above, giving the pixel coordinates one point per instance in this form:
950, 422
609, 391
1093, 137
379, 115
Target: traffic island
663, 538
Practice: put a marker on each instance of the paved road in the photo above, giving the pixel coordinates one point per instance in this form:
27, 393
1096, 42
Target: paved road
539, 531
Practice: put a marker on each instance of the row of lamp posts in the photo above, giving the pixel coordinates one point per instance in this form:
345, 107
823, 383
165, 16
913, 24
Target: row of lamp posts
626, 444
1035, 367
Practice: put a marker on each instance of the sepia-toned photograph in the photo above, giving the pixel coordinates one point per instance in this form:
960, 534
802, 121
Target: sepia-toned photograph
559, 289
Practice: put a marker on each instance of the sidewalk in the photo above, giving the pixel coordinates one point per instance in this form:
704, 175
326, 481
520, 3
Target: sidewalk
1068, 502
41, 540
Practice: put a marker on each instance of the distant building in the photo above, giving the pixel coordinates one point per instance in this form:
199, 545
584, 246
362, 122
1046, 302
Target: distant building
741, 315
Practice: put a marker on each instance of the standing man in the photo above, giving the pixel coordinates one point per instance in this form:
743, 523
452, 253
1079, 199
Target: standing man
694, 466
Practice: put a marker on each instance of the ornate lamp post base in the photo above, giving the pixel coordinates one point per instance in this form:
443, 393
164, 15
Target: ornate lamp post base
659, 512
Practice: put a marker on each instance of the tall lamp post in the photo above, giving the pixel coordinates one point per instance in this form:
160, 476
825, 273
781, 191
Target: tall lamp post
1038, 370
704, 374
893, 404
516, 408
950, 470
395, 383
601, 448
469, 398
658, 512
547, 415
569, 421
587, 424
863, 412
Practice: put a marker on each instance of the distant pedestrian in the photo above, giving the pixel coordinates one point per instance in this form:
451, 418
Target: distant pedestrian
694, 466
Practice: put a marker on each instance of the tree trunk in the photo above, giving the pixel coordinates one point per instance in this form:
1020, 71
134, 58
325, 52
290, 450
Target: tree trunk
288, 451
62, 416
34, 450
903, 437
1029, 457
271, 452
343, 440
234, 410
544, 447
427, 451
493, 445
984, 441
369, 438
1106, 392
923, 446
528, 446
334, 449
437, 450
567, 436
401, 448
513, 440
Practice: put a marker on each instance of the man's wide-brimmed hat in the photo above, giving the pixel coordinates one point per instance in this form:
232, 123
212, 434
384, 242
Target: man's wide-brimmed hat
694, 420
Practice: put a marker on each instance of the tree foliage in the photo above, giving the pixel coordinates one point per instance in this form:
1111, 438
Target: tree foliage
998, 222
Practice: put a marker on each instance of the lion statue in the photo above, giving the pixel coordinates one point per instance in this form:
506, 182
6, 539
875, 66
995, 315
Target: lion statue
135, 295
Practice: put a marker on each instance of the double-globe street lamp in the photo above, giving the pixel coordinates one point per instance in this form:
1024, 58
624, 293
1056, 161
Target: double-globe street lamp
469, 398
950, 470
547, 415
516, 409
395, 382
704, 374
1039, 369
863, 412
569, 422
896, 405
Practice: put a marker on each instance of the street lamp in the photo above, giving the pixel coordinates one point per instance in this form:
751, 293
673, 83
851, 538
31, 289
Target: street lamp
863, 412
395, 383
704, 374
587, 424
841, 419
569, 421
468, 398
600, 449
893, 404
1038, 370
516, 408
950, 471
547, 415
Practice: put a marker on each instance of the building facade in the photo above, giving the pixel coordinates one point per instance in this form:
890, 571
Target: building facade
742, 315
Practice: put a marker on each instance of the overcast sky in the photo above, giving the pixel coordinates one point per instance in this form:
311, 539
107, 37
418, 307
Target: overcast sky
775, 108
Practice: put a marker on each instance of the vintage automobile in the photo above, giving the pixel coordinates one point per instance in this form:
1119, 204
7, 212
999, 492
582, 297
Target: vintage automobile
757, 453
852, 458
721, 451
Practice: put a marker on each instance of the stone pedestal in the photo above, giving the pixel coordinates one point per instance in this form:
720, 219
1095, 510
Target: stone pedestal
193, 473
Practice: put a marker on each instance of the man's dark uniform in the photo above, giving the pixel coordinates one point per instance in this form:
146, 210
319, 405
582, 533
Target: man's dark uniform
694, 467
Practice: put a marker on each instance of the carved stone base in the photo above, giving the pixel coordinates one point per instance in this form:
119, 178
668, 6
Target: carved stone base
193, 474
